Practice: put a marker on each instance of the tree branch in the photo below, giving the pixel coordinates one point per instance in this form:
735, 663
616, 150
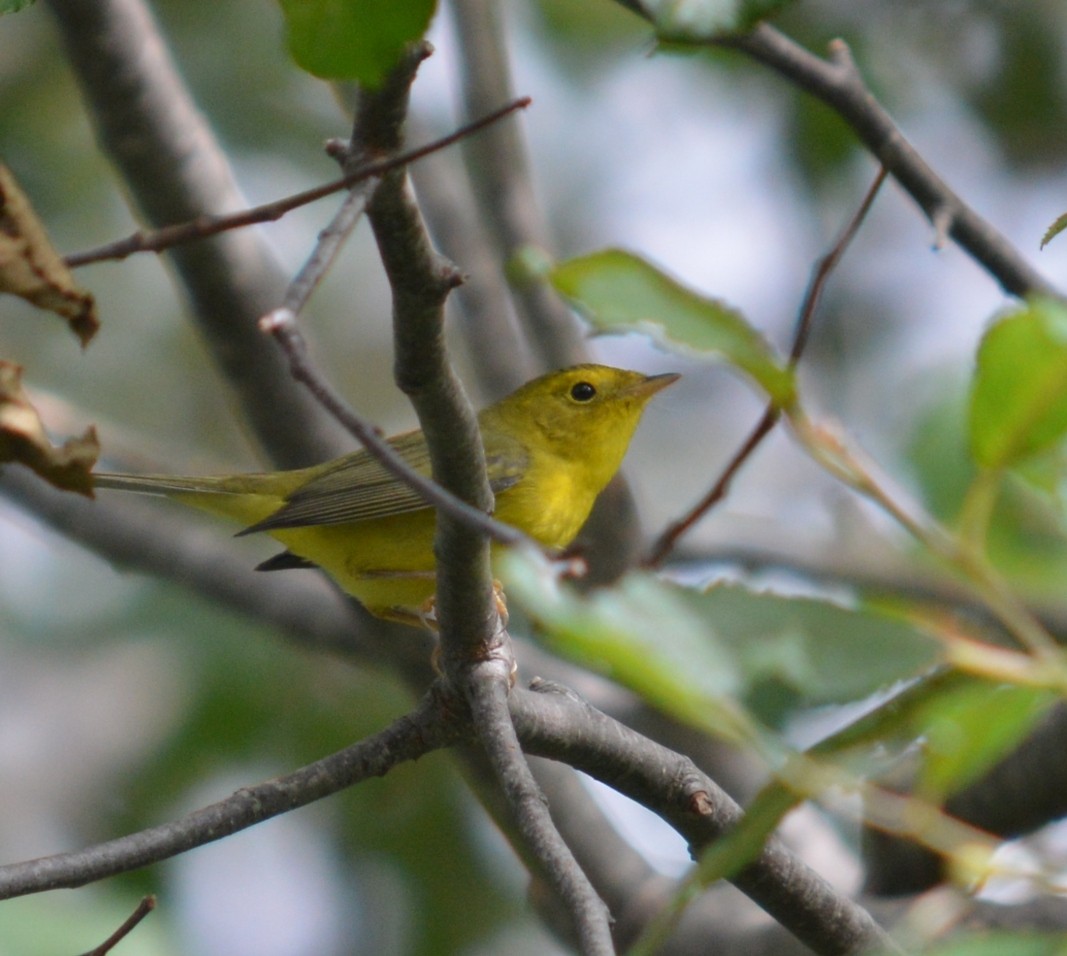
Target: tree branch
501, 357
554, 723
633, 891
477, 654
205, 226
420, 280
281, 324
489, 712
839, 84
175, 170
500, 176
502, 184
191, 556
147, 904
425, 729
821, 272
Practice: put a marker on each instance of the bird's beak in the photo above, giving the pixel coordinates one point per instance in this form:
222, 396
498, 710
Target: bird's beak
652, 384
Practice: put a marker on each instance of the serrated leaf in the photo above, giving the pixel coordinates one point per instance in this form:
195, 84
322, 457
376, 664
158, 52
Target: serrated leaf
23, 439
639, 633
967, 730
617, 290
696, 653
1019, 398
358, 40
31, 268
1058, 225
826, 652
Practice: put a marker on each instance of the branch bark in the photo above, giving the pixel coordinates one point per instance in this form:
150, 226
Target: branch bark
556, 724
500, 175
425, 729
420, 280
477, 657
500, 354
167, 155
839, 84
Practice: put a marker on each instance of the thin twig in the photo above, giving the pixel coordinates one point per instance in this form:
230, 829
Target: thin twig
147, 904
773, 413
281, 324
328, 245
209, 225
826, 265
839, 84
429, 727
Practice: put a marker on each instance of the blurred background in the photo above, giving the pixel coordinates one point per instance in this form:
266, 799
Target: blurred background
125, 701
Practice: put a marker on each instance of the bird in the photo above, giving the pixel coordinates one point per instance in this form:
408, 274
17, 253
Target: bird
551, 447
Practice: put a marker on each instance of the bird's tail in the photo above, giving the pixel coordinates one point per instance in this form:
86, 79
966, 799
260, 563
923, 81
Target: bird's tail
161, 484
246, 498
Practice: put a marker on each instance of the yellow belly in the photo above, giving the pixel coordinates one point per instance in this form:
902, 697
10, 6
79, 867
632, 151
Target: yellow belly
387, 563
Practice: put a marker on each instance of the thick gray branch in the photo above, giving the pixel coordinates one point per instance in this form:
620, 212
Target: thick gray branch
175, 171
558, 725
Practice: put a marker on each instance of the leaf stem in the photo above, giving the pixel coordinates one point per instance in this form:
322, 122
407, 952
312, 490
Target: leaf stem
830, 450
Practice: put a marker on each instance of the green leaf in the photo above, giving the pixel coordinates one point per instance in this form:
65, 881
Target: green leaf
824, 651
696, 653
706, 19
1001, 943
1019, 398
353, 39
618, 290
1027, 534
1054, 230
969, 729
641, 634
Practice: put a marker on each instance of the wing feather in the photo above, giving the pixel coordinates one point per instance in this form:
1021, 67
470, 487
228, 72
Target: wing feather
358, 487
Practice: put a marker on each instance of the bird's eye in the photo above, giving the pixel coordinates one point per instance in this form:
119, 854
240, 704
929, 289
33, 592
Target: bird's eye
583, 392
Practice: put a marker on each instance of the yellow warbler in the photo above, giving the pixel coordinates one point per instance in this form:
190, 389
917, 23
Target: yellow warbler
550, 447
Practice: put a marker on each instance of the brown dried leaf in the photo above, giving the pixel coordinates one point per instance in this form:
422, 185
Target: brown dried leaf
31, 268
23, 439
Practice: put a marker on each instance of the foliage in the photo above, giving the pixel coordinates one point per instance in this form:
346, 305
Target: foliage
618, 291
353, 39
911, 675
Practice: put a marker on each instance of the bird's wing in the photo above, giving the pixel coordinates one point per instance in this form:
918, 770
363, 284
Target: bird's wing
358, 487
